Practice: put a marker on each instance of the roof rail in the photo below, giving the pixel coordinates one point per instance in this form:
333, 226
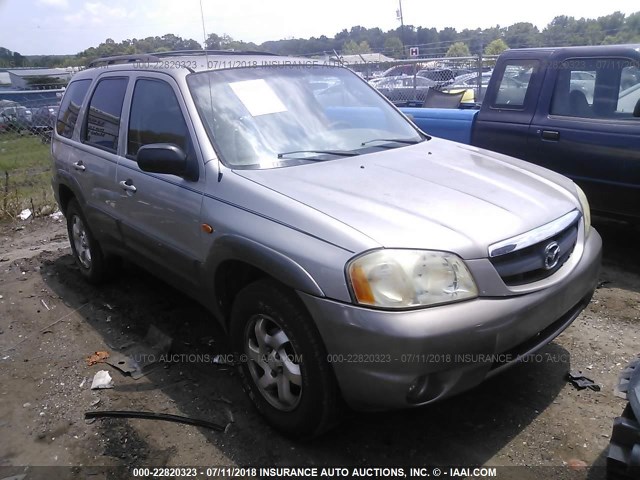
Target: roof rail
117, 59
186, 53
155, 57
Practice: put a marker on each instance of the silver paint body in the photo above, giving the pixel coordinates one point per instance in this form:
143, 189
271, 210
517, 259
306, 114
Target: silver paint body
302, 224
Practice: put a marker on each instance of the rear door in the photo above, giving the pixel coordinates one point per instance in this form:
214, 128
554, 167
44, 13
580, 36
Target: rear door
92, 161
590, 133
160, 214
508, 107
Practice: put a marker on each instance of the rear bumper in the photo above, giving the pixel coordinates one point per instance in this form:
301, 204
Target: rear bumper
399, 359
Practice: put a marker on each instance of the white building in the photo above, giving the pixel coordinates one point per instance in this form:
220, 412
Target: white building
38, 78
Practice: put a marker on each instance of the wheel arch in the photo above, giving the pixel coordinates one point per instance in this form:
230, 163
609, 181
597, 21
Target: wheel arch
238, 261
66, 190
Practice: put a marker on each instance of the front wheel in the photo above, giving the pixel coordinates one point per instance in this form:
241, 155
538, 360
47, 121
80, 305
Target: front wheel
283, 363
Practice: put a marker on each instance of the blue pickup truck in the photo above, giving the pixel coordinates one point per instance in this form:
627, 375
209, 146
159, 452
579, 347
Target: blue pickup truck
575, 110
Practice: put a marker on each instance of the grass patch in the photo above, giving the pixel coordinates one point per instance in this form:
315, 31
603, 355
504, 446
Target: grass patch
25, 175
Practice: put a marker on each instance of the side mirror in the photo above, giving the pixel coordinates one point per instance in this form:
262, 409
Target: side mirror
164, 158
636, 110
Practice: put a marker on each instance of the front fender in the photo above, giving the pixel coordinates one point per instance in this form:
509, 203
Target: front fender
270, 261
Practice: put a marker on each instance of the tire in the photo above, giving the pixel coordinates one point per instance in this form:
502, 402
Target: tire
85, 248
287, 376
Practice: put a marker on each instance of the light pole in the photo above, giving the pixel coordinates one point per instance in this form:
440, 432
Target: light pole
401, 18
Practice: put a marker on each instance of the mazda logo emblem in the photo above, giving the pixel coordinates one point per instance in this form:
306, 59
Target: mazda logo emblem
551, 255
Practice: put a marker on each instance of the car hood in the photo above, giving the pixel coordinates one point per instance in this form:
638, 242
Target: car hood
437, 195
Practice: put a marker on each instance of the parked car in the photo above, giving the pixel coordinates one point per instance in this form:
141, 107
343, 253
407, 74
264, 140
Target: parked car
401, 70
570, 109
22, 121
469, 83
441, 76
349, 256
584, 82
44, 118
471, 79
405, 89
15, 118
7, 117
628, 100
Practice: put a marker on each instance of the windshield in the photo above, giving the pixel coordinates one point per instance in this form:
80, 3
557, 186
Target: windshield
275, 116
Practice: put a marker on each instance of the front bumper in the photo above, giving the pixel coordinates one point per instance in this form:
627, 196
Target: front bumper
385, 359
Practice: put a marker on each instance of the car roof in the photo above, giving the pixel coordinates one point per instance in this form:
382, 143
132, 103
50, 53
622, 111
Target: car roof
599, 50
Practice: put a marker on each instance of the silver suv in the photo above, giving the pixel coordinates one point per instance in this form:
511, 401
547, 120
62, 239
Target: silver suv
349, 255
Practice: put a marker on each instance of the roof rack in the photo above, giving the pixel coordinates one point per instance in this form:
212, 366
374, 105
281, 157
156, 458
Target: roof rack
186, 53
155, 57
118, 59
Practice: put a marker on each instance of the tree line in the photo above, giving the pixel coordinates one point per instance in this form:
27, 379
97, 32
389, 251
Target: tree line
561, 31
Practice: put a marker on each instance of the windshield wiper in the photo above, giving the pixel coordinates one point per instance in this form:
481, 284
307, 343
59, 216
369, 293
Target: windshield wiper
394, 140
338, 153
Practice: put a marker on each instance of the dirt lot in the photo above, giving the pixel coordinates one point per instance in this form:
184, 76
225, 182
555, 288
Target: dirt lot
50, 321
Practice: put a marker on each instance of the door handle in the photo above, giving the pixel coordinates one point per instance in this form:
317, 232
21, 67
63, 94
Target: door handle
550, 135
127, 185
79, 166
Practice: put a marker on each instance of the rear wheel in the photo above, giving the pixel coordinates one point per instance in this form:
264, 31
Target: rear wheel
283, 362
85, 248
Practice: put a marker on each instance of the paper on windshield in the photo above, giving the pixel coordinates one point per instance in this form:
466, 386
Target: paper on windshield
258, 97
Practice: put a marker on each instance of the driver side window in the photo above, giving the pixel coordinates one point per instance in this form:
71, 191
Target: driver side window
156, 117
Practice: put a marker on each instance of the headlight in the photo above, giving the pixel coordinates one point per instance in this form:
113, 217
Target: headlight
586, 211
391, 278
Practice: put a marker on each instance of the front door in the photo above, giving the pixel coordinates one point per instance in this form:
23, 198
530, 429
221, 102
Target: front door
159, 213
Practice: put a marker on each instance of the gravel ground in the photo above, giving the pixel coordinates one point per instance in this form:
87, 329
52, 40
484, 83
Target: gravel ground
51, 321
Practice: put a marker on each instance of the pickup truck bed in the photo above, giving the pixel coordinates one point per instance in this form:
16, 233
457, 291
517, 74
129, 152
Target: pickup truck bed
452, 124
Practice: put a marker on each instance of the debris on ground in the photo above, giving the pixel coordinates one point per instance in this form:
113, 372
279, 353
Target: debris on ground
97, 357
578, 380
139, 357
221, 360
576, 464
155, 416
102, 379
57, 215
125, 364
24, 214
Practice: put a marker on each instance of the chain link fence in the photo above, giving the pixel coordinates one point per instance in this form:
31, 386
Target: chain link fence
27, 120
428, 82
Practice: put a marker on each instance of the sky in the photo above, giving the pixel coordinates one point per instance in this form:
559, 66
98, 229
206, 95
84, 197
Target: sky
55, 27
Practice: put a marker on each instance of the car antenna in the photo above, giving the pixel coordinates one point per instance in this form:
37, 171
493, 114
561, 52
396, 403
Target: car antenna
338, 57
206, 55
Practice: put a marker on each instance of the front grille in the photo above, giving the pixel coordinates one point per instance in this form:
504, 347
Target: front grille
527, 265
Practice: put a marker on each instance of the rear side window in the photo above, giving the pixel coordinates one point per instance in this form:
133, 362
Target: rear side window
604, 88
514, 84
70, 107
105, 109
155, 117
